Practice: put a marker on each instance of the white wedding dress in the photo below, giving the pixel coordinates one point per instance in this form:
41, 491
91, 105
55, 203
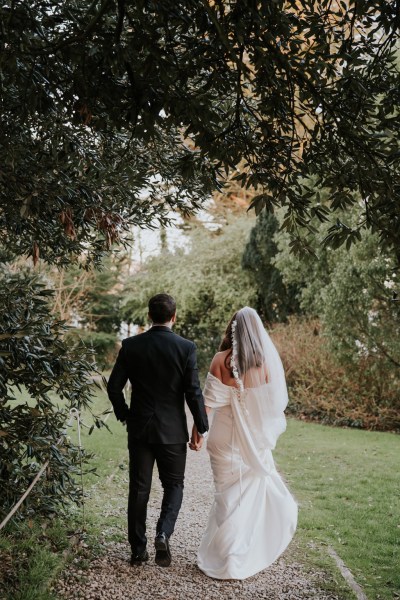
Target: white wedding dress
254, 516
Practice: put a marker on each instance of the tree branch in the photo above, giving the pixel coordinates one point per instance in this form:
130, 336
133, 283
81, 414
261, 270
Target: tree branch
224, 39
120, 22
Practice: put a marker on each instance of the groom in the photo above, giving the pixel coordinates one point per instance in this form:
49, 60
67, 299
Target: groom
162, 369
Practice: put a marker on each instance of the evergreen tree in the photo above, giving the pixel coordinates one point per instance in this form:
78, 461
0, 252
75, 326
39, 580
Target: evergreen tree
275, 300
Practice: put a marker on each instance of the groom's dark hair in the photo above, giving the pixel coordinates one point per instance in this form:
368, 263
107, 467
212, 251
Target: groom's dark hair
162, 308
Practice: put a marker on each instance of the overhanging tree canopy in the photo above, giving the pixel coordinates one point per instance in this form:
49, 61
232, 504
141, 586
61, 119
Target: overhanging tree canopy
115, 111
101, 99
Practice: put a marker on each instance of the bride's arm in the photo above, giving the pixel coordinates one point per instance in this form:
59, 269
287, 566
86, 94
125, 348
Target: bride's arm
215, 366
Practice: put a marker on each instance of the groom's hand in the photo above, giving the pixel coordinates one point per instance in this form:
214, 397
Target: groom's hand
195, 445
196, 441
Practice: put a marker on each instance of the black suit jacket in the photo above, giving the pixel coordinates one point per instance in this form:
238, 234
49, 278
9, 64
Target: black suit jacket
162, 369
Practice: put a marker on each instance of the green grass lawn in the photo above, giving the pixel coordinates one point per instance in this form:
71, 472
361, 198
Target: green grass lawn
346, 482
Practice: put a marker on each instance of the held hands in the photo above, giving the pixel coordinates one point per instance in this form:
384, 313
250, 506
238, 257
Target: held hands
196, 441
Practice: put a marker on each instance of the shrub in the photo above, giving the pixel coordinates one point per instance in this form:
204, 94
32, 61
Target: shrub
321, 389
41, 377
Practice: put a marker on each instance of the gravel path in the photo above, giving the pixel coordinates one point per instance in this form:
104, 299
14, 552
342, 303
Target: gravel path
110, 577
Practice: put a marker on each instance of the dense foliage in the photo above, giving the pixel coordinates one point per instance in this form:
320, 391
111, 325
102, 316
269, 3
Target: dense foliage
344, 368
112, 112
275, 300
326, 390
352, 291
36, 363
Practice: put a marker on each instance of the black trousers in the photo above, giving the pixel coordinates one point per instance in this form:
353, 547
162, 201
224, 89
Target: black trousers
171, 461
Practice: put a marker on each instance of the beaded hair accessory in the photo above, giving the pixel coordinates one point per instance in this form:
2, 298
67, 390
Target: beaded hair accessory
234, 358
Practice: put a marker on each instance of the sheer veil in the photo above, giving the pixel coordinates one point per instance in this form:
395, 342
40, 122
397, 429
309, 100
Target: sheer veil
261, 386
255, 361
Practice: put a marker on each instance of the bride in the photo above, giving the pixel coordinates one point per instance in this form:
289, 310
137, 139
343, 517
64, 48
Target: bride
254, 516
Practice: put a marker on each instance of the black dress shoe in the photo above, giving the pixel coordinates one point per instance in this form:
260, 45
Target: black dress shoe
163, 554
139, 558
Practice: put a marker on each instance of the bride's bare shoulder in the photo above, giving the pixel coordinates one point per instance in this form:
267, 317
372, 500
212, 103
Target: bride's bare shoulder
218, 363
219, 357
